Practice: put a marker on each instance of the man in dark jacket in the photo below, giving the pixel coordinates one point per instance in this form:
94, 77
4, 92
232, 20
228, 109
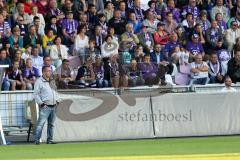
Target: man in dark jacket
234, 67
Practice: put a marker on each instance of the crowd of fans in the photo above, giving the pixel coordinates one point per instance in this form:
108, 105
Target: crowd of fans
118, 44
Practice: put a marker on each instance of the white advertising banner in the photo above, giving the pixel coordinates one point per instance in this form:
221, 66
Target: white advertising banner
198, 114
107, 117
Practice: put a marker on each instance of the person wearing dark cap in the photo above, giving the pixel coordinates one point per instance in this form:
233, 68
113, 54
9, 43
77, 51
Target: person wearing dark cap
231, 35
161, 36
194, 46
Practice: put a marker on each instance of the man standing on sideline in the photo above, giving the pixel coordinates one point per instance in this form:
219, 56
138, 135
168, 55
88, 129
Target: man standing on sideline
46, 97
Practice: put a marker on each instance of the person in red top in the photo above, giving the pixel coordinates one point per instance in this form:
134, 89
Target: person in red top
161, 36
27, 6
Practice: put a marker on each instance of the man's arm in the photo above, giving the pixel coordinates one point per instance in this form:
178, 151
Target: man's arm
37, 92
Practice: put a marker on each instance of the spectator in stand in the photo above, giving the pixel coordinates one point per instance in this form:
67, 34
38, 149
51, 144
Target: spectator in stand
231, 35
228, 85
15, 40
30, 74
188, 23
171, 8
195, 47
27, 6
129, 38
170, 24
102, 22
20, 11
146, 40
4, 59
67, 6
20, 24
85, 76
221, 23
123, 9
137, 25
39, 27
125, 55
151, 22
58, 52
81, 43
37, 60
111, 31
18, 57
34, 12
199, 71
57, 30
80, 6
156, 12
220, 8
53, 10
157, 56
118, 23
32, 38
214, 36
203, 21
199, 31
149, 71
42, 6
69, 29
134, 75
191, 8
65, 75
98, 69
27, 53
47, 61
5, 30
108, 10
13, 78
170, 46
98, 3
98, 37
234, 67
92, 51
161, 36
92, 17
235, 18
136, 8
114, 71
216, 69
159, 59
48, 41
181, 35
138, 54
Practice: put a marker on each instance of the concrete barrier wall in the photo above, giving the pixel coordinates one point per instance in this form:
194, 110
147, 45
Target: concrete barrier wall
81, 118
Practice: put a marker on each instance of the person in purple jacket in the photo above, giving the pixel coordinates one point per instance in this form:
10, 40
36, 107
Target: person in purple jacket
195, 47
30, 74
170, 46
149, 71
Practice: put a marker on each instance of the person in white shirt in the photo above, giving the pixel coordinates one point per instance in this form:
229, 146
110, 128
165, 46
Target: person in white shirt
228, 85
81, 43
36, 59
199, 71
58, 52
231, 35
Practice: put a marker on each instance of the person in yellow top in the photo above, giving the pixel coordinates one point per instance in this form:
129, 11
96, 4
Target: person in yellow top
48, 41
